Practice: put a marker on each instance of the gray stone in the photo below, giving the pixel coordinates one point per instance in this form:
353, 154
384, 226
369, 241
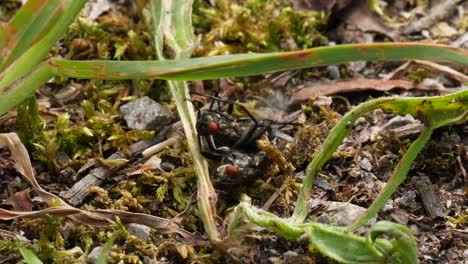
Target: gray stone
146, 114
406, 200
366, 164
140, 231
339, 213
334, 72
323, 184
291, 257
62, 158
94, 255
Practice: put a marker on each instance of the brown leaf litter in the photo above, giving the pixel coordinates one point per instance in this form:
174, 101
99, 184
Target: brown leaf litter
353, 85
59, 207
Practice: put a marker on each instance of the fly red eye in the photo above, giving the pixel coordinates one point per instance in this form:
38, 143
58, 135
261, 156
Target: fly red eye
232, 171
213, 128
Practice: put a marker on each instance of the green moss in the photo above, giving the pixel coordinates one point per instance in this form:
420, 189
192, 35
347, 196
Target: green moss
419, 74
258, 26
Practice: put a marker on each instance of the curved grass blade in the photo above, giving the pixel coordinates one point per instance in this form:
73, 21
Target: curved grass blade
172, 22
434, 112
251, 64
30, 23
33, 56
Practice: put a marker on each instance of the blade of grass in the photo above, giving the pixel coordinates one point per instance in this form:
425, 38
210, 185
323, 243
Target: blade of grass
219, 66
36, 54
171, 25
30, 23
250, 64
434, 112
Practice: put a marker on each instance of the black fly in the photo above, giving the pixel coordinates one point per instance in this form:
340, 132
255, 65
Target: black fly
232, 141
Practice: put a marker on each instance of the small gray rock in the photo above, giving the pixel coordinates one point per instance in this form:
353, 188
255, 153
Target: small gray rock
140, 231
333, 72
62, 158
323, 184
145, 114
291, 257
94, 255
406, 200
339, 213
167, 166
366, 164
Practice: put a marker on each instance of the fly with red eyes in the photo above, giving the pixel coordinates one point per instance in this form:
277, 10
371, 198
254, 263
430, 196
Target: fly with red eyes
232, 141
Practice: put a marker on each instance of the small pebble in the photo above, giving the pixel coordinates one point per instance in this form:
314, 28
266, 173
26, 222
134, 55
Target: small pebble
290, 257
146, 114
333, 72
406, 200
94, 255
167, 166
323, 184
366, 164
140, 231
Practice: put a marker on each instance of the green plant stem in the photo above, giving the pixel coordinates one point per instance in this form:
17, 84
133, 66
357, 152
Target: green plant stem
172, 24
434, 112
336, 136
335, 242
398, 176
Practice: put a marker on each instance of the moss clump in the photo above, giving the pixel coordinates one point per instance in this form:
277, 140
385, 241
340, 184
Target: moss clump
258, 26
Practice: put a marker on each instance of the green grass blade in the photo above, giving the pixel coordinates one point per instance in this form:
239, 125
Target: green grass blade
434, 112
36, 54
329, 146
24, 87
172, 23
29, 256
231, 65
250, 64
2, 36
30, 23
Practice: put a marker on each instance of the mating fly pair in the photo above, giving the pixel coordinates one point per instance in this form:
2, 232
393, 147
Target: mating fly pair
232, 141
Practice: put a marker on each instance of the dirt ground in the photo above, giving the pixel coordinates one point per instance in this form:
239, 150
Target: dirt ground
73, 126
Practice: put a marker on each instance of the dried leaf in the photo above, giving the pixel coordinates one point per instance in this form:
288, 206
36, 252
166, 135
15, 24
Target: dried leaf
228, 88
353, 85
433, 67
60, 208
95, 8
367, 21
20, 201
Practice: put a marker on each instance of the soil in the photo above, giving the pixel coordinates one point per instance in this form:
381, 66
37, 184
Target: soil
432, 201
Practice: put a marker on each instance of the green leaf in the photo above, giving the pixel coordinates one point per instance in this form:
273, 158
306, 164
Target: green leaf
220, 66
345, 247
404, 248
29, 256
335, 243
